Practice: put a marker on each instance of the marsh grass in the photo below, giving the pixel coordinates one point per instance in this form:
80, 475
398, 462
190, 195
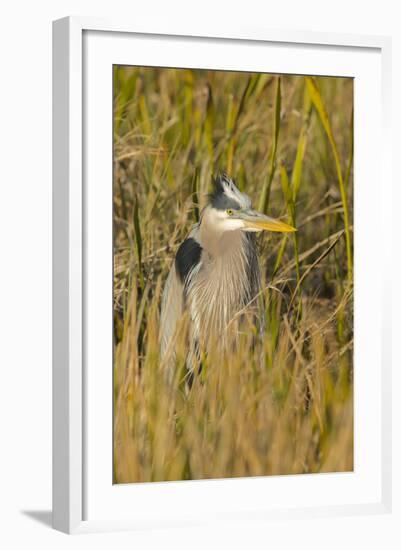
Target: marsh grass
282, 404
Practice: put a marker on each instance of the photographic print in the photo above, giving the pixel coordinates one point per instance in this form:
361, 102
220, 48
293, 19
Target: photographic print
233, 274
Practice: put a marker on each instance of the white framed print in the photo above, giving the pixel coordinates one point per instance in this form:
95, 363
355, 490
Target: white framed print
220, 336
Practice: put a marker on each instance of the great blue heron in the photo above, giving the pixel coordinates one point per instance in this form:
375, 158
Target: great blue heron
215, 274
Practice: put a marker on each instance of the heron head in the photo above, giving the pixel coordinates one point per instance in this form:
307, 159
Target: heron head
231, 210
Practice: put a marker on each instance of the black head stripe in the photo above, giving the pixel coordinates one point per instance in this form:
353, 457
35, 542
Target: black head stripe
187, 257
218, 182
222, 202
219, 199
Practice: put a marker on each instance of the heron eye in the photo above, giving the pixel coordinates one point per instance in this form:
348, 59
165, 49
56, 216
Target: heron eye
229, 212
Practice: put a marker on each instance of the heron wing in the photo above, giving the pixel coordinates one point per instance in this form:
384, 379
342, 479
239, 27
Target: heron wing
187, 258
172, 308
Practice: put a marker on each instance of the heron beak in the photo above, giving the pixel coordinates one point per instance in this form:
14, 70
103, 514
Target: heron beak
256, 221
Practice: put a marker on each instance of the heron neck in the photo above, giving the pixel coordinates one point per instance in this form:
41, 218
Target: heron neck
220, 244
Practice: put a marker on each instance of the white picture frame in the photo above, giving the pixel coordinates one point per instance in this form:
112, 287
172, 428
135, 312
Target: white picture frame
72, 421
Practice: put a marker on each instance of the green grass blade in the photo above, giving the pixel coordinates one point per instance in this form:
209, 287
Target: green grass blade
209, 126
195, 193
138, 241
280, 254
351, 154
188, 92
291, 189
318, 103
285, 184
301, 147
230, 121
265, 195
